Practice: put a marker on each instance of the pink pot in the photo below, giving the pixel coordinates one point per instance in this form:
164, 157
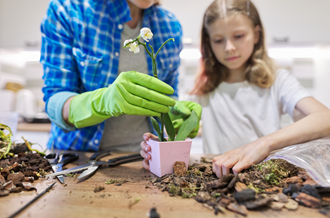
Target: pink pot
165, 154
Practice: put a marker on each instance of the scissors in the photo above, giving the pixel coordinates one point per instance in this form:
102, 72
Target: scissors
58, 160
93, 164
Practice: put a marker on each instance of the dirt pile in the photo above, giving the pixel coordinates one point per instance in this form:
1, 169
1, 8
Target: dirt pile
275, 184
18, 172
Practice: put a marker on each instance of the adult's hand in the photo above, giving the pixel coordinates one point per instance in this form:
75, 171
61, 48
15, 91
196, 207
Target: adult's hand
145, 149
181, 111
132, 93
242, 158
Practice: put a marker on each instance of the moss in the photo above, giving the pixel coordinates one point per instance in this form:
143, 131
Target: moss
174, 190
272, 171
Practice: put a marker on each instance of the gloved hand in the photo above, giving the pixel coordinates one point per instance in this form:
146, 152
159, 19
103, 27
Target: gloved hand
132, 93
181, 111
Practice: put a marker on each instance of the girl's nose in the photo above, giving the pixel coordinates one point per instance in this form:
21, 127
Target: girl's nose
229, 45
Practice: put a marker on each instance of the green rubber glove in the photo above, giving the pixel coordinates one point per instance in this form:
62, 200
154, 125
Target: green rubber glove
181, 111
132, 93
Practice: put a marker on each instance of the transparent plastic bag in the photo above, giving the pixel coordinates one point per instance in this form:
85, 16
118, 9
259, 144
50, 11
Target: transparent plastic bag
313, 156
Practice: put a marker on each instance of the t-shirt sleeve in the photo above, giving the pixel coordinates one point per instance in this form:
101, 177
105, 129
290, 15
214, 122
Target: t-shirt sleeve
289, 91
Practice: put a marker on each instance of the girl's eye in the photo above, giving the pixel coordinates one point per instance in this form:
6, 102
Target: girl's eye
218, 41
239, 36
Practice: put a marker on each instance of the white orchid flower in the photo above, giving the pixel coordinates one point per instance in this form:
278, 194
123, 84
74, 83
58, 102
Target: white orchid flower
133, 46
146, 34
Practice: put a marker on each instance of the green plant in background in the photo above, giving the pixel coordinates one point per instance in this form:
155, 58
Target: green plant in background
190, 123
5, 141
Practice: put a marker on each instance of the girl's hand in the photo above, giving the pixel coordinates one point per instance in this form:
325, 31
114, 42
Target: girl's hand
145, 149
242, 158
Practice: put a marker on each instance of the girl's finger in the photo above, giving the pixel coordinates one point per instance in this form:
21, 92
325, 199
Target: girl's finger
144, 146
217, 169
148, 135
240, 165
145, 155
145, 164
227, 165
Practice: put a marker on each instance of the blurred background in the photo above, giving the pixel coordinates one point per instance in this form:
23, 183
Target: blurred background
297, 36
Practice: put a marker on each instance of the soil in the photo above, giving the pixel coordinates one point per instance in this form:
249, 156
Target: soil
275, 184
19, 172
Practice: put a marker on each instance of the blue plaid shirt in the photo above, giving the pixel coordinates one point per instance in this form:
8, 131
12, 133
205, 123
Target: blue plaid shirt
80, 52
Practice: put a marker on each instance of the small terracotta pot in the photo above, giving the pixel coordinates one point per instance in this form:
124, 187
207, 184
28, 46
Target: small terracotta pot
165, 154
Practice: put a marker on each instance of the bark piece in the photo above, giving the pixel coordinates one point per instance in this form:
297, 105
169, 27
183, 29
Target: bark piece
291, 189
261, 202
28, 186
232, 182
239, 186
9, 185
291, 205
310, 190
308, 200
224, 202
276, 205
16, 177
282, 198
208, 171
245, 195
274, 190
206, 160
202, 197
2, 180
241, 209
179, 168
293, 180
28, 179
216, 184
4, 193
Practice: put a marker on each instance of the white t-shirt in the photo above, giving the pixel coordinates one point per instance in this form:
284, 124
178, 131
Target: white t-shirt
235, 114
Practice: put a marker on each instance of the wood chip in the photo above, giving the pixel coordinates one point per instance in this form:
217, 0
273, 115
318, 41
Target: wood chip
308, 200
239, 186
276, 205
241, 209
291, 205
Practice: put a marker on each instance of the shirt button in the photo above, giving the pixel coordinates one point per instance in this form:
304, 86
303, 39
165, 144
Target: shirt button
96, 141
171, 65
120, 26
117, 54
82, 63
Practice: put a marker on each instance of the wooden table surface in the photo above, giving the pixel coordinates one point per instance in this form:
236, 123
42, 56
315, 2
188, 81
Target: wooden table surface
77, 199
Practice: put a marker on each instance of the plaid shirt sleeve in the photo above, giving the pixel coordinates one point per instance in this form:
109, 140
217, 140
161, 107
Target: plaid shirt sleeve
60, 68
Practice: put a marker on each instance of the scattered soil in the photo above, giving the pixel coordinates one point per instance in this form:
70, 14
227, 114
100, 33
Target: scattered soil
18, 172
98, 189
275, 184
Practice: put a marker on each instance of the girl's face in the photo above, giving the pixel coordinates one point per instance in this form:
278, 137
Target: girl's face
143, 4
232, 41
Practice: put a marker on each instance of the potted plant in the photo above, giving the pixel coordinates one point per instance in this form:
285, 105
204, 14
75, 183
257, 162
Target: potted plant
164, 151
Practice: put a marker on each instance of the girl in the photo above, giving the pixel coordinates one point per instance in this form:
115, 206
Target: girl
243, 94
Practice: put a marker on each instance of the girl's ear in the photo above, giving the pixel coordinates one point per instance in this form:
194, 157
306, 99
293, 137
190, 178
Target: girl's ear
256, 34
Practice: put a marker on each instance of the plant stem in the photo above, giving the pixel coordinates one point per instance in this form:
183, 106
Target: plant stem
162, 46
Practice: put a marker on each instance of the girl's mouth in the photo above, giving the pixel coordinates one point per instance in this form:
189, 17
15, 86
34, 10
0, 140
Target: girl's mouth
231, 58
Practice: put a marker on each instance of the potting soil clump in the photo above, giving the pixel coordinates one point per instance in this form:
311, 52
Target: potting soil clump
18, 172
275, 184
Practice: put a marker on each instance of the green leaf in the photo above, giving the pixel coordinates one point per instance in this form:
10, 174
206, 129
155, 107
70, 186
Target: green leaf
169, 127
156, 127
187, 126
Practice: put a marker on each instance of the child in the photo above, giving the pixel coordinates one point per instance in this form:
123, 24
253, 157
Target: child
243, 95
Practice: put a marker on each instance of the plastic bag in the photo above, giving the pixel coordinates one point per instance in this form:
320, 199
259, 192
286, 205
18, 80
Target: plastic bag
313, 156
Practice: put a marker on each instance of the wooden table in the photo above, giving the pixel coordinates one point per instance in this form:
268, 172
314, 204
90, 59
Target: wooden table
77, 199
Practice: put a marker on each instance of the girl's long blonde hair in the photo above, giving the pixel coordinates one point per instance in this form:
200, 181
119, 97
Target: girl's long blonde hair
260, 67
